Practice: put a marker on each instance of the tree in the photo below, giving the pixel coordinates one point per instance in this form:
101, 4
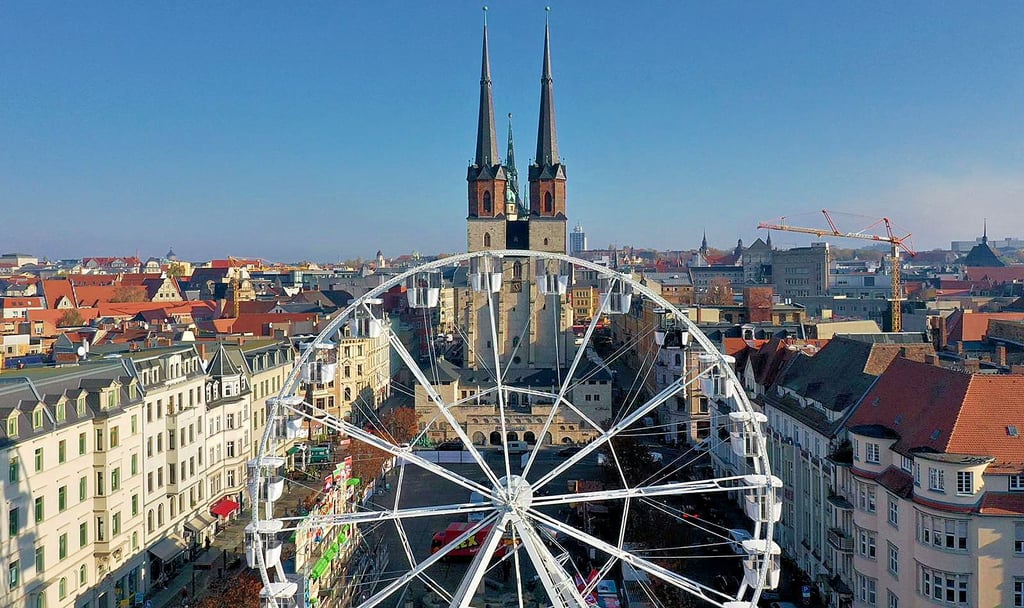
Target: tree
70, 318
719, 292
366, 460
241, 590
176, 269
129, 293
401, 423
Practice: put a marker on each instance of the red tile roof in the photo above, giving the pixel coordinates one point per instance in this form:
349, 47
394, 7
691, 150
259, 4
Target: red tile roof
947, 411
994, 276
1002, 503
963, 326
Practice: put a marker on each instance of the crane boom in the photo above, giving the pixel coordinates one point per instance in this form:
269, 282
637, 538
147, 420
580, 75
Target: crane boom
896, 244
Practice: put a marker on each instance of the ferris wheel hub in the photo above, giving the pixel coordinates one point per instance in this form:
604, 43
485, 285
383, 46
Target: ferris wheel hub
514, 493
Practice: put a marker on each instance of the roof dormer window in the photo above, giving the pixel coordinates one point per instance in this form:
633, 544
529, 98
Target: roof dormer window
12, 425
37, 418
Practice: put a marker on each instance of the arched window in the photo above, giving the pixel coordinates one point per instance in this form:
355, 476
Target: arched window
348, 393
548, 202
517, 270
62, 588
487, 239
487, 202
149, 520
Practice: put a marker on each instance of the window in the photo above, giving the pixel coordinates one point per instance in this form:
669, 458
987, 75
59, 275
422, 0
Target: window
917, 474
14, 472
1017, 483
135, 424
942, 532
99, 440
40, 559
39, 459
866, 543
894, 559
866, 589
62, 588
964, 482
37, 418
115, 479
894, 513
83, 575
39, 509
894, 602
866, 497
135, 505
944, 587
871, 453
1018, 538
13, 575
101, 531
62, 546
115, 438
13, 521
135, 464
936, 479
1018, 592
83, 489
907, 464
231, 449
12, 425
62, 498
115, 524
99, 483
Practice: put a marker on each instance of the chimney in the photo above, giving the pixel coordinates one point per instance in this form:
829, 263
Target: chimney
972, 365
931, 359
1001, 355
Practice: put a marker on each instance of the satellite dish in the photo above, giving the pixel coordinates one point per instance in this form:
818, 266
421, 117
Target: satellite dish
81, 351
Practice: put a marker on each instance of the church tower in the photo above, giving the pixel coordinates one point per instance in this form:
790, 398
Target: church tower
486, 176
547, 174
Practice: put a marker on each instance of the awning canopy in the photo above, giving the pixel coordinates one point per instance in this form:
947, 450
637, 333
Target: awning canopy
200, 523
293, 450
168, 548
319, 568
224, 507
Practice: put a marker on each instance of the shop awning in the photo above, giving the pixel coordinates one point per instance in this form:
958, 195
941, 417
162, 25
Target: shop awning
168, 548
224, 507
331, 552
319, 568
293, 450
199, 523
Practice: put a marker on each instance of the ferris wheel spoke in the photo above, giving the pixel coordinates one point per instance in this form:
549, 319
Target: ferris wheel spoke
416, 571
676, 580
478, 567
366, 517
495, 351
621, 425
562, 390
406, 455
439, 402
718, 484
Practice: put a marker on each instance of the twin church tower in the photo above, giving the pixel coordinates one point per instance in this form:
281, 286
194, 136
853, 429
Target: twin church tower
499, 217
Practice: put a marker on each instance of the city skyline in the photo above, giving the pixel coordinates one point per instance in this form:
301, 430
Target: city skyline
345, 128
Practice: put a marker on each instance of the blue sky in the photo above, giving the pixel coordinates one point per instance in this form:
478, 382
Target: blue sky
328, 130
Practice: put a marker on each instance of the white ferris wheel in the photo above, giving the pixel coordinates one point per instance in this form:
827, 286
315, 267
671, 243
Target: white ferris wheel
562, 456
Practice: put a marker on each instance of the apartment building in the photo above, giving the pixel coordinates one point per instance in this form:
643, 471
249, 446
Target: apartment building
74, 531
801, 271
936, 475
806, 407
120, 466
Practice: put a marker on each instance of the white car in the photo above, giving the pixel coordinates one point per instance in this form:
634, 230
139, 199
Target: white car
738, 535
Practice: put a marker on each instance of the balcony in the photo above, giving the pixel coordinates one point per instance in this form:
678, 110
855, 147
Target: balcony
840, 540
840, 502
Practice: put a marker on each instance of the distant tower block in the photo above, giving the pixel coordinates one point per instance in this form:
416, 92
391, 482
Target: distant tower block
577, 240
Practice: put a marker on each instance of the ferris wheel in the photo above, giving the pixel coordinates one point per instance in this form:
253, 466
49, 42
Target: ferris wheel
526, 429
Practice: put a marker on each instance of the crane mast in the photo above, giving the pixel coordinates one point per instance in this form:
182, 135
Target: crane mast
896, 243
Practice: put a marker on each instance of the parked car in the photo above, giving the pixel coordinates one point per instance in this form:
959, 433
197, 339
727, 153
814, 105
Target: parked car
569, 451
450, 446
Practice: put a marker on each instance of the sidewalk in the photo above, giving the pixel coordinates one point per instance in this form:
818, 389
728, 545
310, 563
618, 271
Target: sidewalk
231, 541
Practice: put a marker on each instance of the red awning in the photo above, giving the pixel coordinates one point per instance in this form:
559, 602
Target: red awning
224, 507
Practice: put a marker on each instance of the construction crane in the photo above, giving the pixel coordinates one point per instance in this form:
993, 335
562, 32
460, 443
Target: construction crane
896, 244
